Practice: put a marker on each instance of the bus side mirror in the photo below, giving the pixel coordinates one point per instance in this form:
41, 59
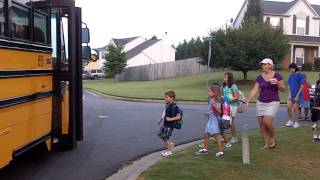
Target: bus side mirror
85, 35
86, 53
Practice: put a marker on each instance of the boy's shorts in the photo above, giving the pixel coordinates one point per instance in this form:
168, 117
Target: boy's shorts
165, 132
305, 104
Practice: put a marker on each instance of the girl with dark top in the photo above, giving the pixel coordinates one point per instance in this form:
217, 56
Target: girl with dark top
268, 84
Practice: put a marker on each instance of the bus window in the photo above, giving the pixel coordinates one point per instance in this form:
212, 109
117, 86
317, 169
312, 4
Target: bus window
2, 18
40, 28
20, 21
54, 35
64, 44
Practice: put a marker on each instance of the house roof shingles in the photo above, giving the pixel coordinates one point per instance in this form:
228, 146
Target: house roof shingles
135, 51
122, 42
118, 42
276, 7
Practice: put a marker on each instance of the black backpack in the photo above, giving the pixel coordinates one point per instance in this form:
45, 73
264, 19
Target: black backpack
178, 123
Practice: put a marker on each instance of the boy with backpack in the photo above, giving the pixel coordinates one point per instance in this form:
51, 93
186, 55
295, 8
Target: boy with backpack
172, 118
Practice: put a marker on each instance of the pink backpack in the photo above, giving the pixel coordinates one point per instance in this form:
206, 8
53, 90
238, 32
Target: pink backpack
226, 111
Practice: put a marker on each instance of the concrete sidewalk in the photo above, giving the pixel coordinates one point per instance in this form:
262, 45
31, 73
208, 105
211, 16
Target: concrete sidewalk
133, 171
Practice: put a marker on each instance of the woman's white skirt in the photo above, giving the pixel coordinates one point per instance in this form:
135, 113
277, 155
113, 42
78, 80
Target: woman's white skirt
267, 109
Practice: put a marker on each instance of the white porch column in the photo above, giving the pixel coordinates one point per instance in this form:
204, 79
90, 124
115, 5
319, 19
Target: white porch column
292, 50
318, 51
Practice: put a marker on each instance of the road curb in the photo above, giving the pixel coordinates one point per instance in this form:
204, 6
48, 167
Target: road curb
142, 100
133, 171
154, 100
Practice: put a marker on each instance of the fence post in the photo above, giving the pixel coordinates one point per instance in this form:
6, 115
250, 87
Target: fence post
245, 145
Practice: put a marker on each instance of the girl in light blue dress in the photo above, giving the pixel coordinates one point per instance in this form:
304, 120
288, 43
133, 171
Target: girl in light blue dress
213, 125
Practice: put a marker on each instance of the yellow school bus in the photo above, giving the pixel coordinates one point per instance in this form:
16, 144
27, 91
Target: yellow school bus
41, 57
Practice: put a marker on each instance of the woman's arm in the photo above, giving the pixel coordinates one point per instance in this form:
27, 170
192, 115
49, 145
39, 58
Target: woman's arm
281, 86
253, 92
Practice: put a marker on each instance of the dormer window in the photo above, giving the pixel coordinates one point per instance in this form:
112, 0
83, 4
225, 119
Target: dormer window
301, 26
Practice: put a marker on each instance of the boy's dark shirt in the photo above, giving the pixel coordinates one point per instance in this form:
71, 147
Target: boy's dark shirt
170, 112
317, 104
318, 83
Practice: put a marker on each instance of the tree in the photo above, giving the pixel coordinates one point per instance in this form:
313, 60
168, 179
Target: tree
253, 13
189, 49
115, 60
242, 49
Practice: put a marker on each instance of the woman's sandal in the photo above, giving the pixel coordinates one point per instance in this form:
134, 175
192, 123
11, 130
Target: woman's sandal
274, 145
264, 147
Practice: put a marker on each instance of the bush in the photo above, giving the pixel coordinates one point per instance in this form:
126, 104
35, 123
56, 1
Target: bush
307, 67
317, 64
278, 67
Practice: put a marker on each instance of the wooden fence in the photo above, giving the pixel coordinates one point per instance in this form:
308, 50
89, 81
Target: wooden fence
162, 70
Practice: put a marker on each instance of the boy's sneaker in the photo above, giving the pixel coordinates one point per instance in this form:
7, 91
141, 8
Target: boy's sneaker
172, 145
289, 123
314, 126
234, 140
202, 151
219, 154
296, 125
315, 138
227, 145
166, 153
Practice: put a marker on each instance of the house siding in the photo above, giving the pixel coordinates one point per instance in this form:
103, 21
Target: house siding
157, 53
299, 10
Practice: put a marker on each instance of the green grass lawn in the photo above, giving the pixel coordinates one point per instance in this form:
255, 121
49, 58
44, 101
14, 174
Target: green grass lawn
190, 88
296, 157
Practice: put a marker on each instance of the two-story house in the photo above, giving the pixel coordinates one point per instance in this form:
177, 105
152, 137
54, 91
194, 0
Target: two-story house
300, 20
140, 51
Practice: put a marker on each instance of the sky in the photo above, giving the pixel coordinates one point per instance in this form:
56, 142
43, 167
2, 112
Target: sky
181, 19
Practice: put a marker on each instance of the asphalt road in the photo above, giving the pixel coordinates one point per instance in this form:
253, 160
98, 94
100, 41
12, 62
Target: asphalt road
115, 132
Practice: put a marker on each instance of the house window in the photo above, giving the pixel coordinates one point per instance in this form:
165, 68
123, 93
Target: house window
299, 60
275, 22
301, 26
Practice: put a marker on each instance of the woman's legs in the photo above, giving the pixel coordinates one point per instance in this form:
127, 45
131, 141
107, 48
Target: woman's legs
263, 132
267, 121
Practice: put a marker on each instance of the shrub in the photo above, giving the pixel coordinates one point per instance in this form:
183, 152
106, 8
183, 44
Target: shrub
278, 67
317, 64
307, 67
